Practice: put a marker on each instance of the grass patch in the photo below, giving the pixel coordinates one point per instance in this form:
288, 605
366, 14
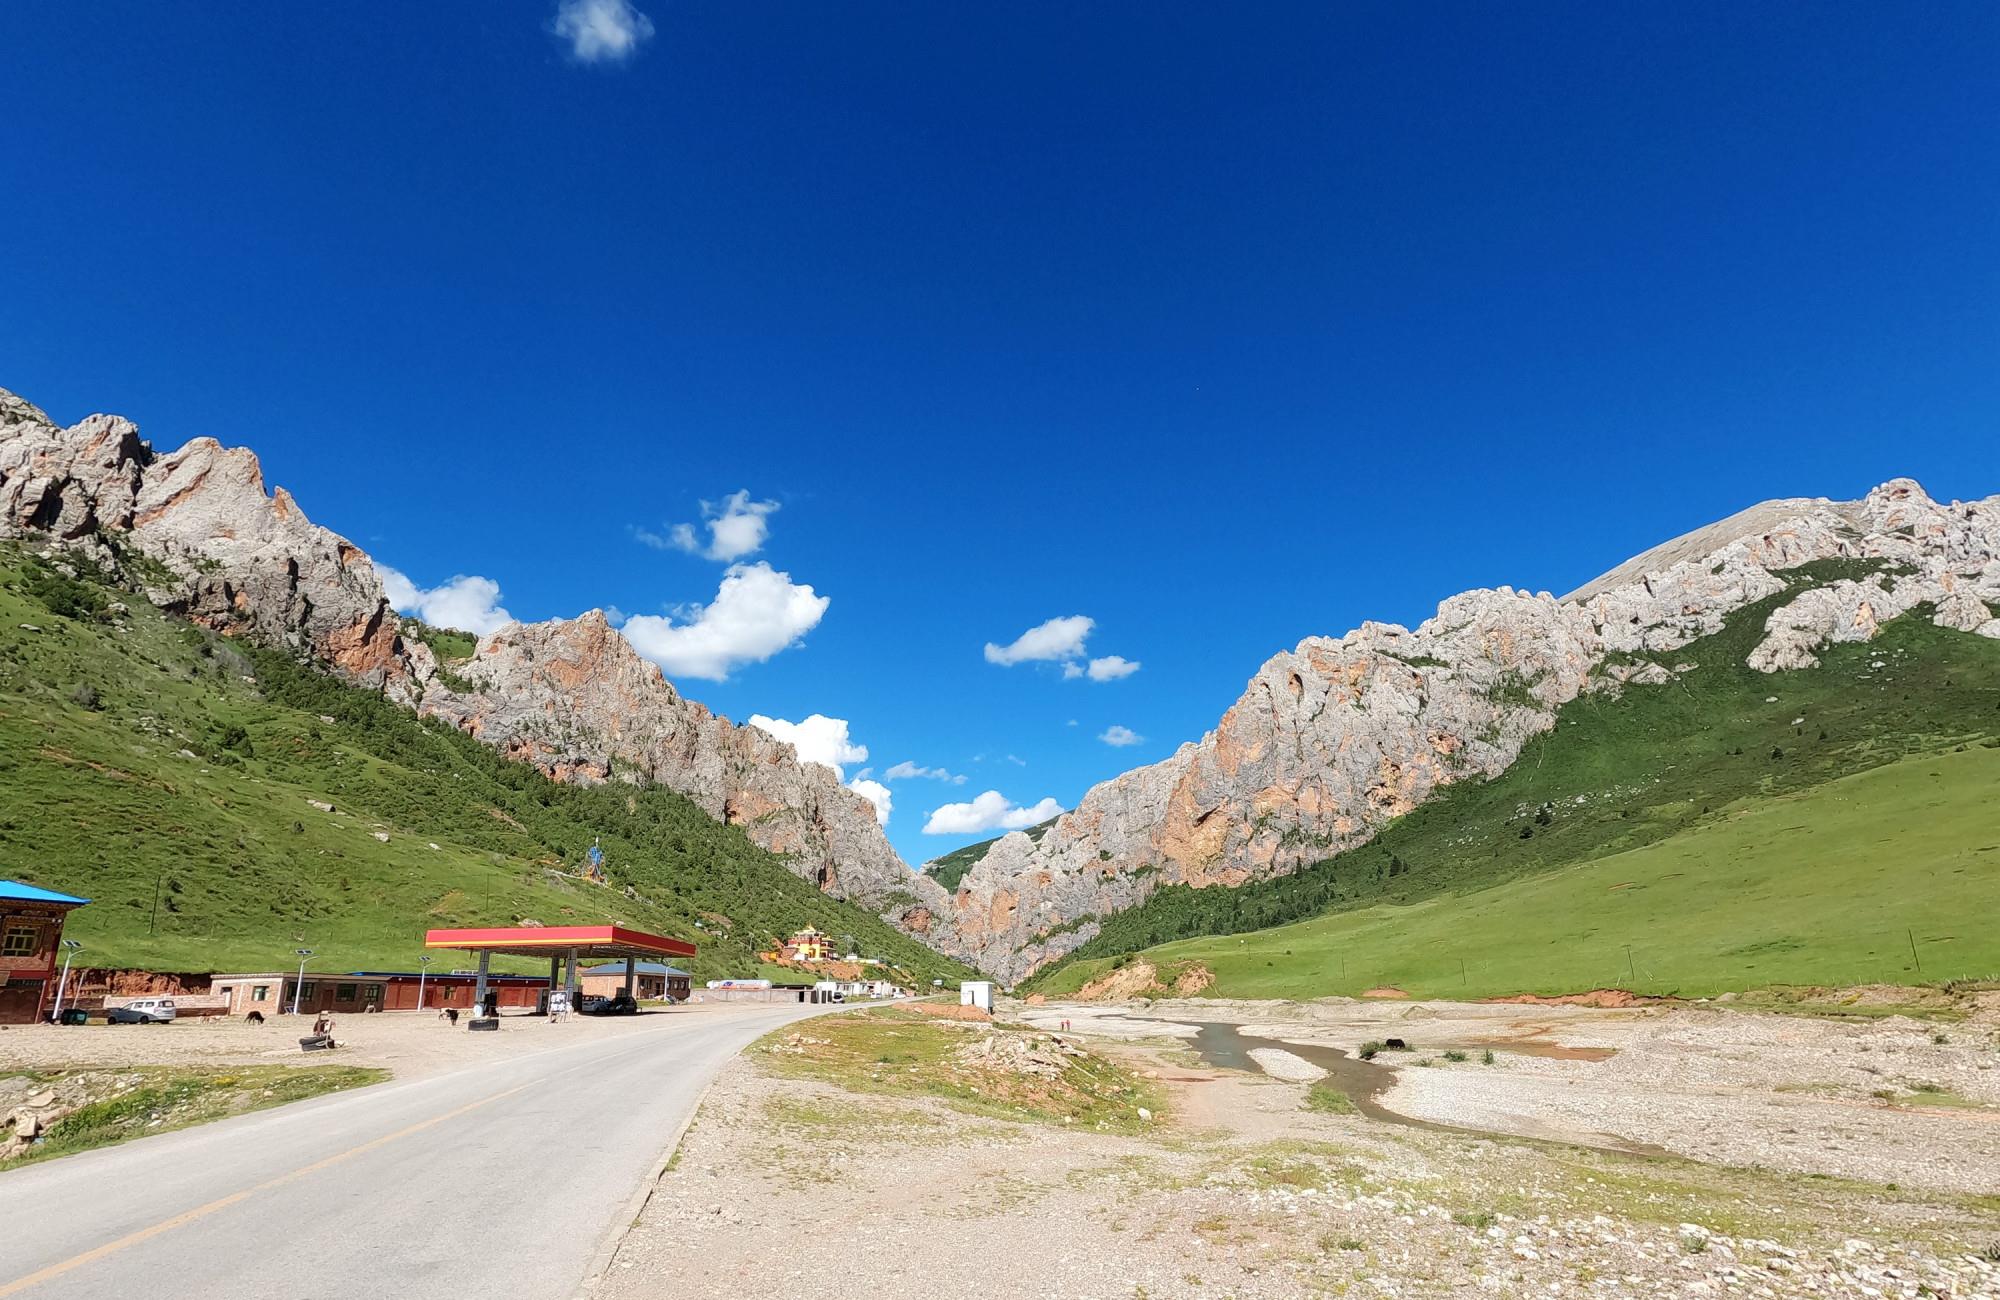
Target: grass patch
159, 1099
900, 1053
1323, 1096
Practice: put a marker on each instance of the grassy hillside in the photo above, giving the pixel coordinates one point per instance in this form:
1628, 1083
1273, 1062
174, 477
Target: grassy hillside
1852, 882
951, 868
1663, 766
145, 759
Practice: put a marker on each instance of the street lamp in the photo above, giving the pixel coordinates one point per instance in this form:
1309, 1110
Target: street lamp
69, 950
299, 987
423, 971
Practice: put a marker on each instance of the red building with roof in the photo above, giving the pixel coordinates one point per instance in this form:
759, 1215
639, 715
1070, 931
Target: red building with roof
31, 926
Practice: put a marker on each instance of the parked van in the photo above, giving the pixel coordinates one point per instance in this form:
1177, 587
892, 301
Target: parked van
143, 1011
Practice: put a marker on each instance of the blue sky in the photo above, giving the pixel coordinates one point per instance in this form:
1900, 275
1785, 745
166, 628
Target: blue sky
1218, 326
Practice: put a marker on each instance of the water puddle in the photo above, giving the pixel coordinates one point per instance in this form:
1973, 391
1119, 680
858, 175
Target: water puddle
1365, 1083
1362, 1082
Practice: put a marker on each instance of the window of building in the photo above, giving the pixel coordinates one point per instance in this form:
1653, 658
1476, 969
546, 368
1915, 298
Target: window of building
309, 989
21, 941
259, 992
371, 993
343, 993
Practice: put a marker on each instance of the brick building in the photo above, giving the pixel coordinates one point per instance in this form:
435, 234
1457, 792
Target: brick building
31, 926
652, 981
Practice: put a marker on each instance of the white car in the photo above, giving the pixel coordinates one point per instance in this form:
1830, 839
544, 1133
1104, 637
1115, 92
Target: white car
143, 1011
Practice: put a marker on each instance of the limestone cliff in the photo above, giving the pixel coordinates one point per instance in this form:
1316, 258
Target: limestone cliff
1334, 738
570, 696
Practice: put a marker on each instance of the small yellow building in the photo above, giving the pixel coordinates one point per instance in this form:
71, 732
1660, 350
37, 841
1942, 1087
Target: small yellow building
808, 945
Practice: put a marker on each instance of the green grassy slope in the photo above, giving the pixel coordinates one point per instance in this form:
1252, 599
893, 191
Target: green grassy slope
1829, 886
143, 756
951, 868
1650, 765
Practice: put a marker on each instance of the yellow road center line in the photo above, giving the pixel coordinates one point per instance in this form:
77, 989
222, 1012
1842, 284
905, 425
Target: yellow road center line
222, 1203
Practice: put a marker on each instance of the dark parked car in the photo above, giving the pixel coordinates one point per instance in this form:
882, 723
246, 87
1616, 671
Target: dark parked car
616, 1005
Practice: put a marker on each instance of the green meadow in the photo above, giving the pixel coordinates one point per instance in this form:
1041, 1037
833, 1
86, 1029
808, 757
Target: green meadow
1887, 876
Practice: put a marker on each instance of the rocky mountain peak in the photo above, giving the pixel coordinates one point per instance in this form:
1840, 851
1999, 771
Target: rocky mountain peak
570, 695
1334, 738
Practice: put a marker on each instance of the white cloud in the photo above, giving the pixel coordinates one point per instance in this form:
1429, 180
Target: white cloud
737, 526
819, 739
990, 811
467, 603
876, 793
601, 31
1111, 667
1061, 641
757, 611
1117, 735
906, 771
1056, 640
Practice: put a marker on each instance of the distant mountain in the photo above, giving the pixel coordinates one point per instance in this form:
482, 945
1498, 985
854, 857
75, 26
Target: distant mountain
1338, 738
951, 867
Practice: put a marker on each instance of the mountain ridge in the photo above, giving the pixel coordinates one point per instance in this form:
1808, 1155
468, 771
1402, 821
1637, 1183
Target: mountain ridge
1327, 743
572, 696
1336, 738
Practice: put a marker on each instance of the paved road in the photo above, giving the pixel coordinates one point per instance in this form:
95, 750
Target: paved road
497, 1182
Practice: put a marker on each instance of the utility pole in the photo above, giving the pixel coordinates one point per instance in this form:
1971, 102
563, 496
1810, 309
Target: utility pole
1631, 969
299, 987
1913, 950
69, 950
153, 925
423, 972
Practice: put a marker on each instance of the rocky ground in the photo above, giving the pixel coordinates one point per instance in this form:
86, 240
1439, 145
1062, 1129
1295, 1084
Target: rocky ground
1242, 1188
1891, 1099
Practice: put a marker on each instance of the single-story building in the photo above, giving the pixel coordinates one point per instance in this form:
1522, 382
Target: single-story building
357, 991
859, 989
976, 993
31, 926
754, 991
652, 981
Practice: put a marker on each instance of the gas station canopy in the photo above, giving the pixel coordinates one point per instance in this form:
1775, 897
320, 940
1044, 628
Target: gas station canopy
585, 941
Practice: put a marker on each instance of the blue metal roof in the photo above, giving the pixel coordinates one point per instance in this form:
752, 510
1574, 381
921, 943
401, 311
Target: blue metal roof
15, 891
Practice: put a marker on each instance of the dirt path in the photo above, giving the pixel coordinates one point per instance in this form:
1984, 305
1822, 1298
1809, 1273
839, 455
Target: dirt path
411, 1044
